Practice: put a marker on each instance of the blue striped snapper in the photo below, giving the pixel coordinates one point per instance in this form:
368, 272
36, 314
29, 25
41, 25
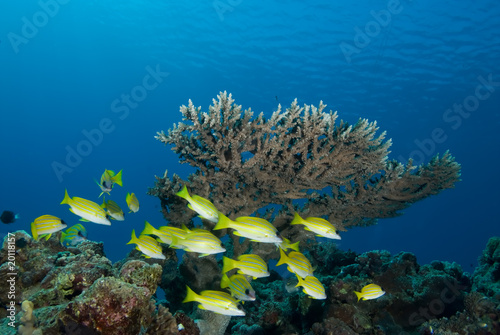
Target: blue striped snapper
256, 229
113, 210
250, 265
73, 235
239, 286
317, 225
164, 233
178, 233
132, 202
46, 225
147, 245
312, 287
297, 263
108, 179
370, 291
203, 242
86, 209
204, 208
216, 301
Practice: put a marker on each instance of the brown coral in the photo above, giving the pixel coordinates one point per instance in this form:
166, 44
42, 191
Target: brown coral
245, 163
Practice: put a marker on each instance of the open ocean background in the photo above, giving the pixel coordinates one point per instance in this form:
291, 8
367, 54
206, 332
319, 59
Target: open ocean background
66, 66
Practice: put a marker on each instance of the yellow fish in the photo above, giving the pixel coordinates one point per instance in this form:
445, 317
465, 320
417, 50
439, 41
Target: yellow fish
239, 286
317, 225
113, 210
147, 245
108, 179
132, 202
165, 233
249, 264
204, 243
216, 301
286, 244
297, 263
312, 287
46, 225
200, 205
73, 235
86, 209
370, 291
254, 228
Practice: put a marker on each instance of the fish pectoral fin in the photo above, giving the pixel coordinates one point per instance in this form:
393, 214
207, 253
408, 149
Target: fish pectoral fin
84, 220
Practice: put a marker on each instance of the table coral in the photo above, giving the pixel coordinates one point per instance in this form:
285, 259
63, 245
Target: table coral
341, 171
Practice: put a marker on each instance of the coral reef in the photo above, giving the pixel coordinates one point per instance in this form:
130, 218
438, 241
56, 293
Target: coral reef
245, 163
79, 289
83, 293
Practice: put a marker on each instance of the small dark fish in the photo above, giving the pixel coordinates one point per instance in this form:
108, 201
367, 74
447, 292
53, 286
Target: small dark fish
9, 217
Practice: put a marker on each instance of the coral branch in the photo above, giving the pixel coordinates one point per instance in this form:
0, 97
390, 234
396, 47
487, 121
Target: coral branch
300, 158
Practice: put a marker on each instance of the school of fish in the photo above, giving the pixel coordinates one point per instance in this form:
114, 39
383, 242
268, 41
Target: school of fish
203, 242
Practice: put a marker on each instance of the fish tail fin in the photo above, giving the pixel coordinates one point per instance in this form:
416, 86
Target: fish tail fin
190, 295
148, 229
33, 231
224, 281
295, 246
117, 178
228, 264
66, 199
175, 243
134, 238
223, 222
183, 193
301, 281
283, 258
359, 295
296, 219
63, 236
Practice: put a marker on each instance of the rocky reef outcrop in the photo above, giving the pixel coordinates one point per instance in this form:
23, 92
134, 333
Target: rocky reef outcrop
79, 291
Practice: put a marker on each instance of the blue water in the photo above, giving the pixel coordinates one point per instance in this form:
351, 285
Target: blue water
67, 68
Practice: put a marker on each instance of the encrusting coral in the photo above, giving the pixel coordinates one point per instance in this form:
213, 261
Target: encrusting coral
28, 320
299, 159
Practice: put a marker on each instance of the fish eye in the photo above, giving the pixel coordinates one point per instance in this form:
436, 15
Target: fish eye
247, 291
240, 307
